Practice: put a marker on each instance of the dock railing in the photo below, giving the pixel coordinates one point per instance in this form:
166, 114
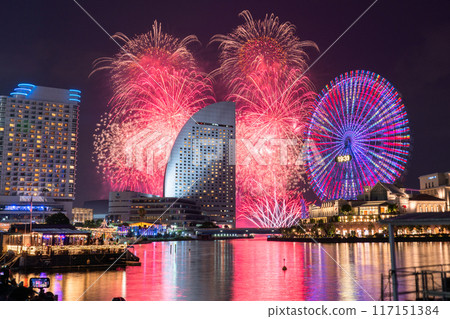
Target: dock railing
431, 282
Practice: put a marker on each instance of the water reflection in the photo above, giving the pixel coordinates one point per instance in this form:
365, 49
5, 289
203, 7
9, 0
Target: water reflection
247, 269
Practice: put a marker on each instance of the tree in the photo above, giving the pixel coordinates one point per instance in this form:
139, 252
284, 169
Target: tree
329, 229
142, 212
92, 223
371, 227
393, 209
57, 219
346, 209
315, 230
299, 229
208, 225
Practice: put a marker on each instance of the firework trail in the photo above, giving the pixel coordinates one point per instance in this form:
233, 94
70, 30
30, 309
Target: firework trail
262, 62
157, 88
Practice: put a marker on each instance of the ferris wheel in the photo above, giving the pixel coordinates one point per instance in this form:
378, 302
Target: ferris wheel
358, 135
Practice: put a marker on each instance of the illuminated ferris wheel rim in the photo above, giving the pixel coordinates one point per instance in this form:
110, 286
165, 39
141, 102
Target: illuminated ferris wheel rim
360, 134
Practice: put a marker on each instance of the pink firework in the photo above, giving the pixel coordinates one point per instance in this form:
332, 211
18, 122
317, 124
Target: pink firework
263, 63
270, 121
157, 88
259, 46
274, 211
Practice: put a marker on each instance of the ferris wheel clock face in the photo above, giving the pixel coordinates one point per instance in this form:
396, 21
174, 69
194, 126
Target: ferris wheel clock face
359, 134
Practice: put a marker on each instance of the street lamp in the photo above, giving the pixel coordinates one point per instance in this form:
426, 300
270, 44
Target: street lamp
44, 191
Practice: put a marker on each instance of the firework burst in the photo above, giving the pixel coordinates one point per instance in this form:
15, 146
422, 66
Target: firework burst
261, 45
157, 88
275, 212
263, 62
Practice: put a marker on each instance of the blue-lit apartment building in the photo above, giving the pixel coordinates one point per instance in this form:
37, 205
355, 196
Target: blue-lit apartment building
38, 150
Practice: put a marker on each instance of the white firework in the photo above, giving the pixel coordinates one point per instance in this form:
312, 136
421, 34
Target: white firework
273, 212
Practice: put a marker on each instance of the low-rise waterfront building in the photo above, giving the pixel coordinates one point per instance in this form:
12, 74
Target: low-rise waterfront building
424, 203
19, 238
170, 211
81, 215
437, 185
382, 191
360, 217
327, 209
119, 208
99, 207
23, 209
132, 207
382, 200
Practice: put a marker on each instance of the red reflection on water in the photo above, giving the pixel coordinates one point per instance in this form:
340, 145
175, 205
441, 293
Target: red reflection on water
247, 269
258, 273
148, 281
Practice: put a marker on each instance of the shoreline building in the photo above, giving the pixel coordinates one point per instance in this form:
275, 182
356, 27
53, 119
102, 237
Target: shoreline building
38, 151
135, 207
119, 207
383, 200
437, 185
377, 202
168, 211
81, 215
99, 207
201, 165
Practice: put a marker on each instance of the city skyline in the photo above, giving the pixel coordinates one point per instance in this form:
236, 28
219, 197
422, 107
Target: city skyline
271, 152
421, 81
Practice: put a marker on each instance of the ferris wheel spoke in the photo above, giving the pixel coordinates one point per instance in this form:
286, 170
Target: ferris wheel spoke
326, 123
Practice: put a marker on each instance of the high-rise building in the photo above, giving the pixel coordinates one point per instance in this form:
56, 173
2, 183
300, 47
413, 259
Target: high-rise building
38, 149
201, 165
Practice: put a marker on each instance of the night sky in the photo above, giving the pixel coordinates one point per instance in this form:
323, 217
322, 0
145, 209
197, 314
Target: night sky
53, 43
